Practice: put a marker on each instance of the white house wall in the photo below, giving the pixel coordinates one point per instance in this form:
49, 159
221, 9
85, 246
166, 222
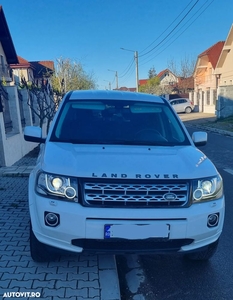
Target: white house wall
168, 79
227, 69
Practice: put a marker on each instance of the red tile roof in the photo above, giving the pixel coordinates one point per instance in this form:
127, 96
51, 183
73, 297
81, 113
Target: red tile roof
49, 64
23, 63
213, 53
143, 81
42, 68
186, 83
163, 72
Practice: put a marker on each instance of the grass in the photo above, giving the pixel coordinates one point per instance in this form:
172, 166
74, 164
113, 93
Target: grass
223, 124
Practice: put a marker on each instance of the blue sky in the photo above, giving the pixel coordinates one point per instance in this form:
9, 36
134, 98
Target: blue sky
93, 31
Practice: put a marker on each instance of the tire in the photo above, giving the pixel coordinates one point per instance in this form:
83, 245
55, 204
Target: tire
188, 110
203, 255
39, 251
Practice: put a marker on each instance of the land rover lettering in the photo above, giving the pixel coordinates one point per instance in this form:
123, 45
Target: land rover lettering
137, 176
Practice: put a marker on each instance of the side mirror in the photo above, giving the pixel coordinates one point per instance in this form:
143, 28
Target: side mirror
33, 134
199, 138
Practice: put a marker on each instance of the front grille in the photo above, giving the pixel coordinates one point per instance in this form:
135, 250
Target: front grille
131, 246
133, 194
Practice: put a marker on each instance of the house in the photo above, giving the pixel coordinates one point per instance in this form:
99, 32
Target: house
126, 89
167, 78
185, 85
204, 71
205, 81
142, 82
12, 111
42, 69
31, 71
22, 69
7, 50
15, 111
224, 78
224, 66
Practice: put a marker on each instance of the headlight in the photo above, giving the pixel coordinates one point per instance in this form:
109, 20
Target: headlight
57, 185
207, 189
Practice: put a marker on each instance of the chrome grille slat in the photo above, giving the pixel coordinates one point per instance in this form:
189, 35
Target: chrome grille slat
133, 194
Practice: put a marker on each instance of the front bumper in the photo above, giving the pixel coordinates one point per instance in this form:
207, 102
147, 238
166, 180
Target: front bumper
82, 228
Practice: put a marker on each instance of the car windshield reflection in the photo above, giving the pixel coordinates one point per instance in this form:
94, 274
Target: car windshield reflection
118, 123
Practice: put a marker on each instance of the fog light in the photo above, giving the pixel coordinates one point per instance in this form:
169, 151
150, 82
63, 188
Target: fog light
212, 220
51, 219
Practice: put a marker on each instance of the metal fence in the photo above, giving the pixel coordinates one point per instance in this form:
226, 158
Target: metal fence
20, 97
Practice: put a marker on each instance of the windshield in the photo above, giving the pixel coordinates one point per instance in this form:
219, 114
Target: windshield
118, 123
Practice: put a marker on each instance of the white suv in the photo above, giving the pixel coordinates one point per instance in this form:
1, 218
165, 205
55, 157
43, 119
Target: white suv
118, 172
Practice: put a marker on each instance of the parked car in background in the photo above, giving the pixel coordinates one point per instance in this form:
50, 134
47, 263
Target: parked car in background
182, 105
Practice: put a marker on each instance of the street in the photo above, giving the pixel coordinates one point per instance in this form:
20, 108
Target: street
161, 277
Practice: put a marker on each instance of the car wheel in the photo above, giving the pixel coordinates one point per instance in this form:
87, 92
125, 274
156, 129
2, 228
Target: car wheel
188, 110
39, 251
204, 254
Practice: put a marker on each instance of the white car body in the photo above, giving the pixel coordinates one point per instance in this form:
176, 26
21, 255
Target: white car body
103, 228
182, 105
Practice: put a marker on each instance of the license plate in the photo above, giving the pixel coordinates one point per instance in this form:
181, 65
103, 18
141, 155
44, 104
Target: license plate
135, 232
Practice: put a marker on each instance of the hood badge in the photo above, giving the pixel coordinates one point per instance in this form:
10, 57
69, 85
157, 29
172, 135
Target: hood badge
202, 158
169, 196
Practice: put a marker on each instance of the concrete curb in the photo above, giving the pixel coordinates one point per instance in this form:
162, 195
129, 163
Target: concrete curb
211, 129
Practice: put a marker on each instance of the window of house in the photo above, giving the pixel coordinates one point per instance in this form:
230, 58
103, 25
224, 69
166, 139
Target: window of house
2, 63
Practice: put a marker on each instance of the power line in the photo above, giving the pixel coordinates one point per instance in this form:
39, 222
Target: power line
171, 30
127, 69
181, 32
167, 27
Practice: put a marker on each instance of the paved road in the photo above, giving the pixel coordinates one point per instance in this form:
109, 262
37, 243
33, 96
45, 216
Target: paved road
197, 117
79, 277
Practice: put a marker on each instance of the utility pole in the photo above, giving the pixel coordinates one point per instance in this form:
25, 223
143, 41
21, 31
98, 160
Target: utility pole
109, 85
116, 76
136, 63
136, 66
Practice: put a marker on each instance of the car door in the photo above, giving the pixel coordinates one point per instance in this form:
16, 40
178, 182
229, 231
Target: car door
177, 105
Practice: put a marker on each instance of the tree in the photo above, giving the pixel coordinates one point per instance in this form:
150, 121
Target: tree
184, 71
152, 73
45, 94
151, 86
42, 100
70, 75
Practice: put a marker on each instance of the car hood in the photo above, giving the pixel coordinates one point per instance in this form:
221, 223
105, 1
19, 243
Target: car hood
136, 162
